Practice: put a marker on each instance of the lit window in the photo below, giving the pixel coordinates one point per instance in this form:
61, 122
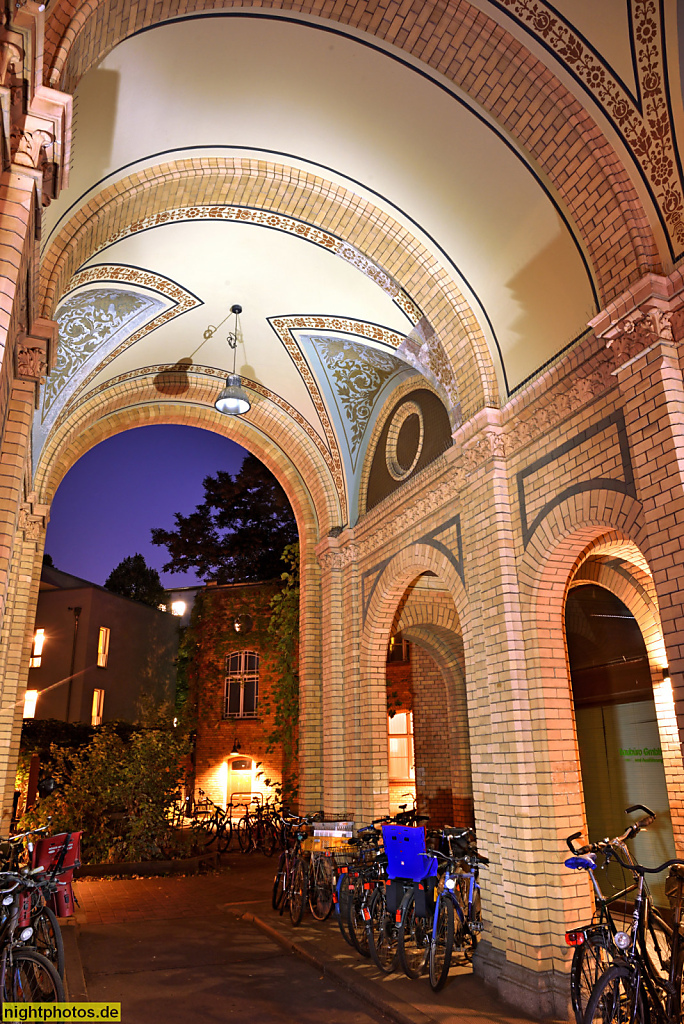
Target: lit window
30, 701
398, 649
36, 651
103, 647
242, 684
98, 707
178, 608
400, 737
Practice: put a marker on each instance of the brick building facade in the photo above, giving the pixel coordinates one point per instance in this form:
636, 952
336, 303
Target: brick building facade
456, 232
230, 690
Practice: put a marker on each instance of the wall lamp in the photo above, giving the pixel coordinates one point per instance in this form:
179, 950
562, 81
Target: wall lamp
236, 746
233, 400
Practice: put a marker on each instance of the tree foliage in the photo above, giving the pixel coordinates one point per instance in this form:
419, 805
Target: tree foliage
237, 533
134, 578
283, 630
118, 790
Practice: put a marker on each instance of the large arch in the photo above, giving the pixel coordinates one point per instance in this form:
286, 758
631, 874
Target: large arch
562, 543
286, 199
471, 42
436, 636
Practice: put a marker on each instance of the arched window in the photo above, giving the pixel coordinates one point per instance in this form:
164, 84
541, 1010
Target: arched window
242, 685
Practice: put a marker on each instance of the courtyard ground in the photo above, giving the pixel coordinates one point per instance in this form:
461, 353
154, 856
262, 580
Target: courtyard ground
210, 948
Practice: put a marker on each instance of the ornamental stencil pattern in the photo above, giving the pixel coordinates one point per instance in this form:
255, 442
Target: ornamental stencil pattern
279, 222
357, 374
646, 129
86, 321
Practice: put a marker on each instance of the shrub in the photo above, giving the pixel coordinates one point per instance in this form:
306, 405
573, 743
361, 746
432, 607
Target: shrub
118, 790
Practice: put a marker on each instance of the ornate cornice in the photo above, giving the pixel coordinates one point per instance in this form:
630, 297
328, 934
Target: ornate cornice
646, 127
278, 222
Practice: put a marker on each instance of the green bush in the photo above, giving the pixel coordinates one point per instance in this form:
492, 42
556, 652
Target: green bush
118, 790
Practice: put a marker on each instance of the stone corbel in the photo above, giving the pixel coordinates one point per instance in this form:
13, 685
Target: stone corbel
647, 313
33, 519
35, 353
40, 142
11, 56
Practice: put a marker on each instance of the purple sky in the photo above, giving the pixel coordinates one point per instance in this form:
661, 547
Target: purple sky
109, 501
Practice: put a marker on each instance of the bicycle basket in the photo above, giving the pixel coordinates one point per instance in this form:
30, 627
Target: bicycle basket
58, 855
407, 856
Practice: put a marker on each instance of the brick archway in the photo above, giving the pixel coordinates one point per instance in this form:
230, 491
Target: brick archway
635, 588
280, 198
521, 93
560, 545
437, 632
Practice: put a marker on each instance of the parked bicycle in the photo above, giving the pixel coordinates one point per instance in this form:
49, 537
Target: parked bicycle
26, 976
636, 989
594, 947
212, 824
457, 921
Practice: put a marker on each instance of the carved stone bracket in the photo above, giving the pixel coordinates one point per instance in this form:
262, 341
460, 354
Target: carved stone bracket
35, 353
40, 141
33, 517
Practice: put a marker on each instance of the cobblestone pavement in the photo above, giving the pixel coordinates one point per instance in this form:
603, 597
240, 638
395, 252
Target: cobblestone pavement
190, 949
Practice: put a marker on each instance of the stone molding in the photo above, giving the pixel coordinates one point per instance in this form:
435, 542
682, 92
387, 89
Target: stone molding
333, 556
36, 119
35, 353
33, 517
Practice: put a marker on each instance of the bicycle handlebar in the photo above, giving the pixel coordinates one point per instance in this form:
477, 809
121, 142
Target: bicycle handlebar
629, 833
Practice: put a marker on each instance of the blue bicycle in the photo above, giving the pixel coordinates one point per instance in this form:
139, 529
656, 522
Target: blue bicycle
457, 920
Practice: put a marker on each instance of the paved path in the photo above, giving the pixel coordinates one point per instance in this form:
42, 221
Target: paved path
209, 947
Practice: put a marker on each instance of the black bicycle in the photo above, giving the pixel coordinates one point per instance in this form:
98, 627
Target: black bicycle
594, 947
639, 987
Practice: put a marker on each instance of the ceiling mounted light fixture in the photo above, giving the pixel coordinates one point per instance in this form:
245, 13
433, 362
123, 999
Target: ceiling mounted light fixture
233, 400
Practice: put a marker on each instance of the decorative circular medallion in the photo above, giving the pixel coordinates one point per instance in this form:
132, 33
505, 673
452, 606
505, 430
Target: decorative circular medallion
404, 441
243, 624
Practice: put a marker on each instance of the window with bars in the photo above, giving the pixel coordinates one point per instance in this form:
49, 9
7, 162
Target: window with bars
242, 685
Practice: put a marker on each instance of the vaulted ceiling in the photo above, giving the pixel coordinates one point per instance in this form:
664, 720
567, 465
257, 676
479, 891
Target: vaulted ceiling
518, 159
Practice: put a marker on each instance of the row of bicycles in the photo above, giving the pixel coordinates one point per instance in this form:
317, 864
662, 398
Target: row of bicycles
250, 824
35, 886
402, 897
628, 963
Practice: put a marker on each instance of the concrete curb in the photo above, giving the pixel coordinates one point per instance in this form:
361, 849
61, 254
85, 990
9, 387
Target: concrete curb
369, 991
74, 978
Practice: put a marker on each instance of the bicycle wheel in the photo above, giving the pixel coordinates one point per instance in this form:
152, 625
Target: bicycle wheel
279, 884
47, 938
589, 962
28, 977
342, 907
225, 834
244, 835
612, 1000
439, 959
382, 933
269, 839
657, 945
300, 888
321, 888
413, 941
355, 920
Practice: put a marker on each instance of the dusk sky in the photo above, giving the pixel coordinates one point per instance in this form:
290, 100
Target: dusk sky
111, 498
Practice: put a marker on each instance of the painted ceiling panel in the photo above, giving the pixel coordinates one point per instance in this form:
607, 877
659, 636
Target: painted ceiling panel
271, 275
92, 322
292, 89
